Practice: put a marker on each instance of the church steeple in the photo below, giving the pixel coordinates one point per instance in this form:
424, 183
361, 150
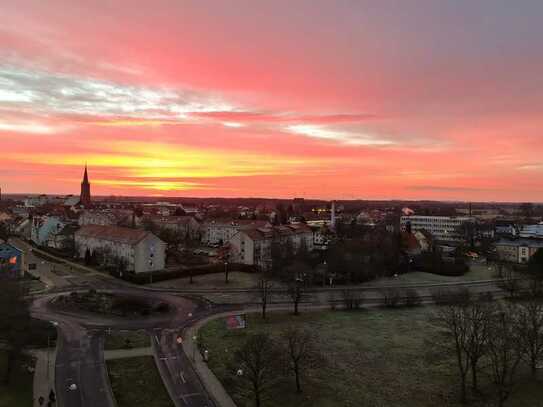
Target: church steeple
85, 197
85, 176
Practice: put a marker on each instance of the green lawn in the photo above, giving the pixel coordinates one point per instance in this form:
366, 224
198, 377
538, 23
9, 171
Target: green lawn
372, 358
18, 391
117, 340
136, 382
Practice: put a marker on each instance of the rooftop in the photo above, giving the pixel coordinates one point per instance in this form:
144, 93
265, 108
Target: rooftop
113, 233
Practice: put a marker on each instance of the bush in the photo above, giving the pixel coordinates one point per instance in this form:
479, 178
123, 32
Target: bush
412, 298
351, 299
391, 297
145, 278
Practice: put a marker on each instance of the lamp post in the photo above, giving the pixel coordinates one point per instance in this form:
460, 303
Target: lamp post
55, 324
194, 345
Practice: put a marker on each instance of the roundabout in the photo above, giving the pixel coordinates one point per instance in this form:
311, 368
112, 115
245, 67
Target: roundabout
84, 317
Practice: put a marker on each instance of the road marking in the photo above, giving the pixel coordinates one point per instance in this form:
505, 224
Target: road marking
185, 396
157, 341
182, 376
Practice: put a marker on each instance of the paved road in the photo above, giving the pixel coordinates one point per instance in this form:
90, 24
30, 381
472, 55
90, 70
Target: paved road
177, 372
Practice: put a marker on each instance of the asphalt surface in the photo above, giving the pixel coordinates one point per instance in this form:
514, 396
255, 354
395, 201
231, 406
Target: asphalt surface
176, 370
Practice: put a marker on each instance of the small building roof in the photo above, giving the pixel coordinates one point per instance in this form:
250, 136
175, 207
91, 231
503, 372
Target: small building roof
521, 242
113, 233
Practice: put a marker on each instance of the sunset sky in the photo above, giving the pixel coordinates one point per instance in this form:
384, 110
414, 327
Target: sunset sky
413, 99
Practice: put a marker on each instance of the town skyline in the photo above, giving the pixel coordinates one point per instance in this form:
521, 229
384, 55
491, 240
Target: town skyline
351, 101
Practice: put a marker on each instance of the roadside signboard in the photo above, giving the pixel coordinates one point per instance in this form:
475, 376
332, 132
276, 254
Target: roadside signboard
236, 322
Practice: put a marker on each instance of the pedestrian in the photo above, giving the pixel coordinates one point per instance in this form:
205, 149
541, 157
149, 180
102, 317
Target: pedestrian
52, 397
41, 400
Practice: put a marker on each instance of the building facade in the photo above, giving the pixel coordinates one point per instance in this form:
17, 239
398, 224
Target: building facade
11, 260
44, 227
139, 250
253, 245
517, 251
442, 228
220, 232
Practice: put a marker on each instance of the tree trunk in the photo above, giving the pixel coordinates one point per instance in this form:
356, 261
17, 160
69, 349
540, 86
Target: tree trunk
298, 384
257, 399
463, 392
474, 382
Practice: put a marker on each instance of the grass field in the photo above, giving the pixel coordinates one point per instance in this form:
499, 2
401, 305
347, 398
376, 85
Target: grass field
235, 280
18, 391
372, 358
117, 340
136, 382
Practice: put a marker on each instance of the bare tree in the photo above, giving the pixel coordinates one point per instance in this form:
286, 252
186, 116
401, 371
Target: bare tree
452, 319
258, 359
351, 299
264, 294
411, 298
391, 297
530, 327
478, 316
300, 352
509, 282
296, 292
504, 352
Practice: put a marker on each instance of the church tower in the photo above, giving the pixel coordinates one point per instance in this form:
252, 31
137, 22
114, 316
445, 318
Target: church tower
85, 197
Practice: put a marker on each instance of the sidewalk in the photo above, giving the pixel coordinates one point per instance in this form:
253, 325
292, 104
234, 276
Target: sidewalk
44, 376
210, 381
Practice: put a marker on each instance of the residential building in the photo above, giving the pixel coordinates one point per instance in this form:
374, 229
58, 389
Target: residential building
185, 226
518, 250
11, 260
103, 217
139, 250
505, 228
531, 231
43, 227
218, 232
442, 228
253, 245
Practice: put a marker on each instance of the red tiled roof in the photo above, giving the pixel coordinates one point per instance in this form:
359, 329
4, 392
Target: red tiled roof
113, 233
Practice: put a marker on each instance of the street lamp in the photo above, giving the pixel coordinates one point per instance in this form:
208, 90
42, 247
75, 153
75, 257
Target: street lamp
194, 345
55, 324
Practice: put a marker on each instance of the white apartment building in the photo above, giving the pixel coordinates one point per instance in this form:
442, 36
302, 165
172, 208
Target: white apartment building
141, 251
220, 232
442, 228
253, 246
